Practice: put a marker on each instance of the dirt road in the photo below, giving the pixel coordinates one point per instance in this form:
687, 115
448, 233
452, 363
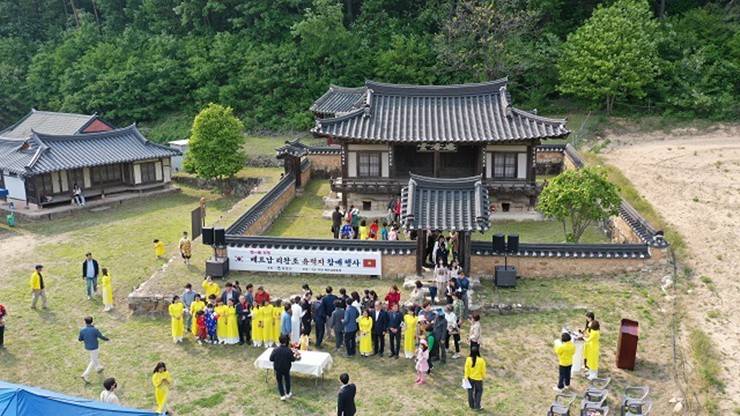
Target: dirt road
693, 180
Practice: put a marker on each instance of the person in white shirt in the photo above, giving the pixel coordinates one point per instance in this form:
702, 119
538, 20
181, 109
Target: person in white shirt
109, 394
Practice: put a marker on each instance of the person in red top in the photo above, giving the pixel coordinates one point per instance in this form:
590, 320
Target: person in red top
397, 209
200, 321
374, 227
261, 296
393, 296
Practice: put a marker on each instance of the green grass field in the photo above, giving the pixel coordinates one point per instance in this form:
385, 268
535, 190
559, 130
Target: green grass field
42, 347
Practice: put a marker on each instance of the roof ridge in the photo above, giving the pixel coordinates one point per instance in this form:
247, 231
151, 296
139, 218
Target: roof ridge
538, 117
83, 136
339, 88
345, 116
488, 87
62, 113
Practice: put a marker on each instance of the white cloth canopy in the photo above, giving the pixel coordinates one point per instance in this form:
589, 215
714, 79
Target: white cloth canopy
314, 363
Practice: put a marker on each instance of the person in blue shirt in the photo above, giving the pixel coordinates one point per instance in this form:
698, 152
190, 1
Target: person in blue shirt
90, 335
395, 319
328, 302
350, 328
285, 324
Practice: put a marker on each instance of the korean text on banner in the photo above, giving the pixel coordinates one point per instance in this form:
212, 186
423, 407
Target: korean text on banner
305, 261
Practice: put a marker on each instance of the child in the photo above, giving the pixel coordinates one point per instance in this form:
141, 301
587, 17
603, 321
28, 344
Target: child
221, 329
177, 314
211, 320
422, 362
565, 350
158, 249
257, 325
107, 290
304, 341
384, 232
200, 325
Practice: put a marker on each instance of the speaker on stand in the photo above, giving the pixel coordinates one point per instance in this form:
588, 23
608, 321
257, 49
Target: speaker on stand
208, 236
499, 244
506, 275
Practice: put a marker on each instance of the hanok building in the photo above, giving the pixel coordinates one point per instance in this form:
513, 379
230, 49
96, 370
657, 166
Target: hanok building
45, 154
390, 131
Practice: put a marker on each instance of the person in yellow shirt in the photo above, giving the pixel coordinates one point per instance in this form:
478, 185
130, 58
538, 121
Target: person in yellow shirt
475, 373
565, 349
410, 336
258, 324
221, 331
277, 313
186, 248
107, 285
269, 329
364, 231
158, 249
177, 314
592, 349
210, 288
197, 305
162, 383
232, 327
37, 287
366, 325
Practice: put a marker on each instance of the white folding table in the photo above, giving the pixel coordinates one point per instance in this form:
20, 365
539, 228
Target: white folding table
313, 363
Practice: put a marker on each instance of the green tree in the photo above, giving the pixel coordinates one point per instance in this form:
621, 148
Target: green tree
216, 148
579, 198
613, 55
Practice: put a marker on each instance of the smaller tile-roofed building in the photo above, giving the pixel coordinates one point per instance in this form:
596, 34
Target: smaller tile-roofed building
459, 204
43, 168
47, 122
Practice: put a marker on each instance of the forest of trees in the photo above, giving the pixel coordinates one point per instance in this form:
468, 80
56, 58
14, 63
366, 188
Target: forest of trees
140, 60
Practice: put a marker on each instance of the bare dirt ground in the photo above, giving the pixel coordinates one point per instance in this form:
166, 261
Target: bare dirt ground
692, 178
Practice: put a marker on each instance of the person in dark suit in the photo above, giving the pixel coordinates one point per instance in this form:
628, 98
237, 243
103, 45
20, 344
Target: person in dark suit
380, 327
244, 320
346, 397
282, 358
328, 302
350, 328
319, 319
336, 221
90, 273
395, 319
230, 293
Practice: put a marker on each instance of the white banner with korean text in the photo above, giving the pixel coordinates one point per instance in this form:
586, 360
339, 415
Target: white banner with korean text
304, 261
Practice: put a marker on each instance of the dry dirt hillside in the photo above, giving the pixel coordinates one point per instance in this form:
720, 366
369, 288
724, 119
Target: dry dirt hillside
692, 177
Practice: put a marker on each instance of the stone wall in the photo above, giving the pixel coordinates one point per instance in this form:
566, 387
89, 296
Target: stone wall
271, 213
326, 166
549, 162
398, 266
306, 175
621, 232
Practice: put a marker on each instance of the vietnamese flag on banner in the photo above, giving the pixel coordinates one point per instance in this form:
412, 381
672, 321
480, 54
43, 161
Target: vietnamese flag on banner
368, 263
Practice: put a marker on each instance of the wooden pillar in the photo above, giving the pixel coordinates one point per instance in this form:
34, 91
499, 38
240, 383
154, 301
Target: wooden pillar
437, 162
344, 175
466, 251
531, 174
421, 238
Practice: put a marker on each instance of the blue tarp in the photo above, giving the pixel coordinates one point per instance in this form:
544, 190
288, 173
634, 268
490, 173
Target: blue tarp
4, 192
17, 400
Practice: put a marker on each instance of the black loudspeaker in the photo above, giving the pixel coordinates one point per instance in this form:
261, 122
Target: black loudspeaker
499, 246
512, 245
219, 237
505, 276
208, 236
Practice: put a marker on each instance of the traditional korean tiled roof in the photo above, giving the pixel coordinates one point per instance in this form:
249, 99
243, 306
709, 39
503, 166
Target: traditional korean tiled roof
294, 148
434, 113
43, 153
338, 100
459, 204
47, 122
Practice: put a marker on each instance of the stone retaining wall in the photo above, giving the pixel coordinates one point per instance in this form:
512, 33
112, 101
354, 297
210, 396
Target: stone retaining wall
326, 166
271, 213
